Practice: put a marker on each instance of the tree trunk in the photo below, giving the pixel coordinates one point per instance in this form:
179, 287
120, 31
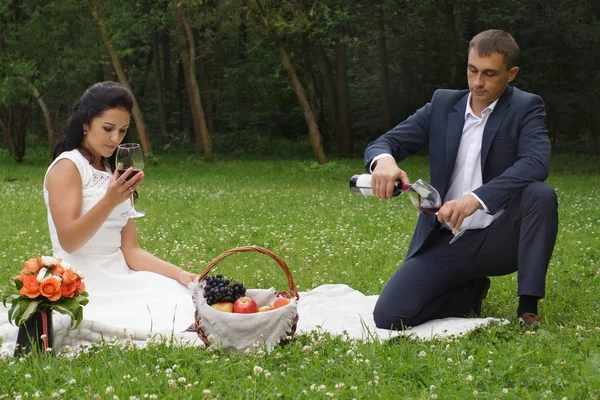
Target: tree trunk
329, 84
452, 45
137, 113
47, 117
207, 87
8, 137
160, 99
309, 117
385, 72
188, 57
19, 120
343, 97
316, 103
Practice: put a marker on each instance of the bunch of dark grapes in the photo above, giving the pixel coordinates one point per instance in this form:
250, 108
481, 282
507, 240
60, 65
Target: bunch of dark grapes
218, 289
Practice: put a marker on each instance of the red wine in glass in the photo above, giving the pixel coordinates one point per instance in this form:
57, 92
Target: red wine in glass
429, 210
130, 155
133, 173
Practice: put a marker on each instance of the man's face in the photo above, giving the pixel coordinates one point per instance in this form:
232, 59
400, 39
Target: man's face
487, 78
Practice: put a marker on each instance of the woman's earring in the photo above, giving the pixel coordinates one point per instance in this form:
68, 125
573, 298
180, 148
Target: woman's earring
85, 132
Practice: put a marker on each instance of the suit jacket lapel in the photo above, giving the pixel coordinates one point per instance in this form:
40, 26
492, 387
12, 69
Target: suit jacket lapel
454, 128
493, 123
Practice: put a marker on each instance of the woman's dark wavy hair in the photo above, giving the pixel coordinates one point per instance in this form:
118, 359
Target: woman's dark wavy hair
97, 98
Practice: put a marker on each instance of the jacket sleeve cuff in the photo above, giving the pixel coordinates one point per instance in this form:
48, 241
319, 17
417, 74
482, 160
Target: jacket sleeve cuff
480, 202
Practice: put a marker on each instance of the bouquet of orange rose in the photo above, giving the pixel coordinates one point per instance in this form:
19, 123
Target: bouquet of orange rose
47, 283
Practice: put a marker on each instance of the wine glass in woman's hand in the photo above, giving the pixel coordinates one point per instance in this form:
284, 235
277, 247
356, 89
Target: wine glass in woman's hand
130, 155
427, 200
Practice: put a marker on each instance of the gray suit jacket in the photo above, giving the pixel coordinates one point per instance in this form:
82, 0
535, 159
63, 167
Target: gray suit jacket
515, 149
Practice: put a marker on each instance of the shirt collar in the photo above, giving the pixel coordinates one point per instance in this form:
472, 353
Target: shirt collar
469, 110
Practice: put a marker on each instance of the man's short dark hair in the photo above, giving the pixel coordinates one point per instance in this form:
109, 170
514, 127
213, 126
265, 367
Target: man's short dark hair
494, 40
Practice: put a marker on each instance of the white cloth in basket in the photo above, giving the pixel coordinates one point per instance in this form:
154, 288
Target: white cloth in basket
238, 333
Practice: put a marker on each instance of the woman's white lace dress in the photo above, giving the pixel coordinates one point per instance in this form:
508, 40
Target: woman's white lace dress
123, 303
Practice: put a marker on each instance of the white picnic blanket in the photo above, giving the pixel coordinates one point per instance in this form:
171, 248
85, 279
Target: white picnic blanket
341, 310
335, 308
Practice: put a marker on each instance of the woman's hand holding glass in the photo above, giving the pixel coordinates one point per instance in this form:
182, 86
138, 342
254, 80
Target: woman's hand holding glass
123, 185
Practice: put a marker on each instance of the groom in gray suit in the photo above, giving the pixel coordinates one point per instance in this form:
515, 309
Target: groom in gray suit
489, 154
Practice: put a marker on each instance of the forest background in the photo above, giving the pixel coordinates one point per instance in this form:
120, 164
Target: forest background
299, 78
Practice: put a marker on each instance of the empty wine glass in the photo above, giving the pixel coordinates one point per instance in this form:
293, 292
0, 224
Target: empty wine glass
427, 200
130, 155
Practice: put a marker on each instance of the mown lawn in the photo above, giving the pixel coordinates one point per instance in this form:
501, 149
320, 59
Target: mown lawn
305, 213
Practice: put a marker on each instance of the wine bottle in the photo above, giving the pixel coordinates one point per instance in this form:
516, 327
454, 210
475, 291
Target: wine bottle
361, 184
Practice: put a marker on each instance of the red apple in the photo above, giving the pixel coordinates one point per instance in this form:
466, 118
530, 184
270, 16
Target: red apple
223, 306
245, 305
265, 308
280, 302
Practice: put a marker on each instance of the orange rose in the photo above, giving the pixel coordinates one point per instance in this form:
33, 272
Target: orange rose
68, 289
69, 276
32, 266
80, 287
57, 270
21, 277
50, 288
31, 287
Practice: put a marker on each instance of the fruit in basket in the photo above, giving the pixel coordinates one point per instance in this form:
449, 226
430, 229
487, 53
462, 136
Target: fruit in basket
245, 305
225, 306
217, 289
265, 308
280, 302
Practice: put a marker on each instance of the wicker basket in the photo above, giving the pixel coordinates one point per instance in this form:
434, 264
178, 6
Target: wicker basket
291, 294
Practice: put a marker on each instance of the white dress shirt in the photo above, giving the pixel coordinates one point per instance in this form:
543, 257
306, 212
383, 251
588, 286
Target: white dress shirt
467, 175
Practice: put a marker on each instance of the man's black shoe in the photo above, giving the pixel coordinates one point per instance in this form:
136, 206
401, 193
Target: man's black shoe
530, 320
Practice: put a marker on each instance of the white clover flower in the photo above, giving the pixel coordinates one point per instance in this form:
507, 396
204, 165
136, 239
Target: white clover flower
449, 361
109, 390
505, 391
469, 378
470, 358
49, 261
422, 354
257, 370
42, 275
475, 393
27, 376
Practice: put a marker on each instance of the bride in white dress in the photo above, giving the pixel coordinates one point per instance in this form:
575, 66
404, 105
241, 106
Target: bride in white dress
132, 293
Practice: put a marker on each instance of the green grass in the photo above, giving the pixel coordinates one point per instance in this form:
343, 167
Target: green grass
305, 213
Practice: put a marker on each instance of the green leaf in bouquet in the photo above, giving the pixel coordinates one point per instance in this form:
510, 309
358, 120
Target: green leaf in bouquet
9, 298
19, 284
22, 310
72, 308
82, 298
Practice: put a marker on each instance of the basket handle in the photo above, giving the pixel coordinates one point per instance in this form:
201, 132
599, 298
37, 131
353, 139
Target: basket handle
244, 249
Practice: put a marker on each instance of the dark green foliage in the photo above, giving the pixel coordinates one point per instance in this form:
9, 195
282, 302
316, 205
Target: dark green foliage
55, 47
